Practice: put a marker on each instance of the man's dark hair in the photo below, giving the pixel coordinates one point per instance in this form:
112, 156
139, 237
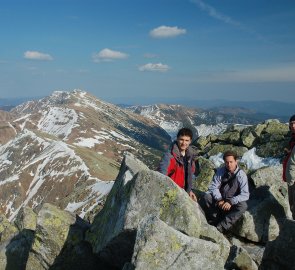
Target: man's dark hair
292, 118
185, 132
230, 153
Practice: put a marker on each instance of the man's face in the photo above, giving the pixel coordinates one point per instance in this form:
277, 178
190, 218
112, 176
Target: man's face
230, 163
183, 142
292, 126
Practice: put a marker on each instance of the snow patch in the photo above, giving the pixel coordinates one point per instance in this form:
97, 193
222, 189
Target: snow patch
255, 162
250, 158
205, 130
58, 121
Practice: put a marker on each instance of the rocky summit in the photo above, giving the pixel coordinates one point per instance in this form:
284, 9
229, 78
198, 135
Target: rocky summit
79, 191
147, 222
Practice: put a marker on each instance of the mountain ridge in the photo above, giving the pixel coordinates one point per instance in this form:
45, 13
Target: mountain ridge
67, 149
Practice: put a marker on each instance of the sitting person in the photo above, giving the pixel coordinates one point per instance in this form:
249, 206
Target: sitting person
178, 163
225, 201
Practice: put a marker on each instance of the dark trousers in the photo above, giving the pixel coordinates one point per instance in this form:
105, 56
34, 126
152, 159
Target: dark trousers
223, 220
291, 195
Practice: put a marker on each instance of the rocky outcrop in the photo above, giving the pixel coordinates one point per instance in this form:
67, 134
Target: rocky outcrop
148, 222
280, 253
269, 138
159, 246
131, 199
268, 204
143, 204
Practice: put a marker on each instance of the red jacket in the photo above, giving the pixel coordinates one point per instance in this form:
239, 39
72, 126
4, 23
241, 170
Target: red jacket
180, 169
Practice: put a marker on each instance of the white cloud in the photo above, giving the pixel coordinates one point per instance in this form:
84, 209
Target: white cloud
166, 32
108, 55
34, 55
154, 67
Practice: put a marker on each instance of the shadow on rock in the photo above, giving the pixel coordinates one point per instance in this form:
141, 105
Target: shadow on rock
17, 251
76, 253
266, 213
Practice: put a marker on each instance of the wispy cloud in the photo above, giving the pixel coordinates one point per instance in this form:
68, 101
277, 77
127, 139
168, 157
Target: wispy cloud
215, 14
226, 19
158, 67
107, 55
34, 55
167, 32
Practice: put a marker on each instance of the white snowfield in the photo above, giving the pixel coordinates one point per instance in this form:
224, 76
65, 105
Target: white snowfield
250, 158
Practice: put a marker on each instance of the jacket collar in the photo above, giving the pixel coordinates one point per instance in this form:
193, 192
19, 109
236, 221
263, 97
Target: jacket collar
176, 152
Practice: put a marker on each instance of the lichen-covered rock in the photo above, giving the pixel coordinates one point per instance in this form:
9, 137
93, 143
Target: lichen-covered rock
205, 172
210, 233
268, 176
159, 246
270, 149
280, 253
14, 252
15, 245
203, 142
26, 219
7, 230
240, 259
271, 177
254, 250
147, 193
221, 148
53, 226
248, 138
230, 137
274, 126
267, 209
258, 129
235, 127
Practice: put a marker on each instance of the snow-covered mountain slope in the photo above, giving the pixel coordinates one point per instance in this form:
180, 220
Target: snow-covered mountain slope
202, 122
173, 117
83, 120
67, 150
35, 169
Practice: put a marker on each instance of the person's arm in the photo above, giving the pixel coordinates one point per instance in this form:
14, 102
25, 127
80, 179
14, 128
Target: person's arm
214, 187
165, 166
291, 166
191, 178
244, 189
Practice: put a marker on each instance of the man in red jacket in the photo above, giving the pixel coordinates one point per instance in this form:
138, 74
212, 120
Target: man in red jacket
178, 163
289, 166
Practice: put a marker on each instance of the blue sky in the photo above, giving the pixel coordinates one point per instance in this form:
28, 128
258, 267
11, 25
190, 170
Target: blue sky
133, 50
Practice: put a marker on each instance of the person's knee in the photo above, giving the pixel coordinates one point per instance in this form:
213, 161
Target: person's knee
242, 207
208, 198
206, 201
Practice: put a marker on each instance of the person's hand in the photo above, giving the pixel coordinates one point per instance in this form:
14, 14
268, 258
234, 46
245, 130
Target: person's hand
220, 204
192, 196
226, 206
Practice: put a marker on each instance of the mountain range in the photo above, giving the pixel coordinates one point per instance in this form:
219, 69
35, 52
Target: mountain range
202, 121
67, 148
264, 109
